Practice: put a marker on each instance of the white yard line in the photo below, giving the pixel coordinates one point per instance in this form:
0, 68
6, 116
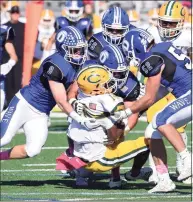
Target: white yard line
27, 170
62, 132
49, 170
41, 164
55, 148
93, 194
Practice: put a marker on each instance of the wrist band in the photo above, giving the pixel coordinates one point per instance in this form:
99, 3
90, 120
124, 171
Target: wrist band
11, 62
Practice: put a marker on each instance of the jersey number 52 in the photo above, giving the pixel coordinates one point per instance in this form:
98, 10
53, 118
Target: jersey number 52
180, 56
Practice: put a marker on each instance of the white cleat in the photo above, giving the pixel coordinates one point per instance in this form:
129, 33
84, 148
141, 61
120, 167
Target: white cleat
153, 179
144, 174
188, 181
163, 186
187, 169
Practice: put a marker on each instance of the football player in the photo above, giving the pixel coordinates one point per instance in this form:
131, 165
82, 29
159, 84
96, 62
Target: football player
7, 35
128, 88
171, 19
102, 149
164, 65
45, 31
115, 25
73, 11
32, 104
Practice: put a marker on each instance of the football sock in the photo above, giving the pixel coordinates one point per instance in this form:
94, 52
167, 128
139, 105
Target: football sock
4, 155
115, 173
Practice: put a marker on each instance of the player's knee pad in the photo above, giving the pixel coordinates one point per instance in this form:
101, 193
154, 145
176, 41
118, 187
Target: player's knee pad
33, 149
152, 133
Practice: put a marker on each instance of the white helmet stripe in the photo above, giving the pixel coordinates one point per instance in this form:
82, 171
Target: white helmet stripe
118, 54
116, 15
74, 4
77, 34
119, 10
169, 7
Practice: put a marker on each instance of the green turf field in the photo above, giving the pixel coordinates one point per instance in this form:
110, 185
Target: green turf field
36, 178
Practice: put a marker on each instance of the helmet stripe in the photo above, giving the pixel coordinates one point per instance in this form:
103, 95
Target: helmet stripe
115, 15
119, 15
118, 54
76, 32
169, 7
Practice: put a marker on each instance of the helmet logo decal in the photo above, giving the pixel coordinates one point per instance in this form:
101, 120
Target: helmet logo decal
61, 36
94, 78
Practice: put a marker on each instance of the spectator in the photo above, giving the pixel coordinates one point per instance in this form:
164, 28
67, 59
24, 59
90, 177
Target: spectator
14, 78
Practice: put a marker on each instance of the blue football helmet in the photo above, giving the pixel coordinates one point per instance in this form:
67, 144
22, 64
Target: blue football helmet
135, 43
115, 25
112, 58
71, 43
74, 10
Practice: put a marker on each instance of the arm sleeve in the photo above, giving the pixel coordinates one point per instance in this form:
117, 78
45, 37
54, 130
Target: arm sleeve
52, 72
94, 47
151, 66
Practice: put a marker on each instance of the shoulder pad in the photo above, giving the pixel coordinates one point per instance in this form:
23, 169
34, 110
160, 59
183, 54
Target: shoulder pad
52, 71
94, 47
85, 21
61, 22
151, 66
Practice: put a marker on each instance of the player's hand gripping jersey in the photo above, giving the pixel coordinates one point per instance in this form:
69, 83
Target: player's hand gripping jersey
90, 144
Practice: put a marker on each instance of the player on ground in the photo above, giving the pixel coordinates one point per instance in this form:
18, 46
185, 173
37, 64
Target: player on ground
6, 43
128, 88
93, 147
171, 17
32, 104
115, 25
164, 65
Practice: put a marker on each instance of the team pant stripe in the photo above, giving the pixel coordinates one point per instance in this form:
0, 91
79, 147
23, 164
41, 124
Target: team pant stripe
110, 162
8, 116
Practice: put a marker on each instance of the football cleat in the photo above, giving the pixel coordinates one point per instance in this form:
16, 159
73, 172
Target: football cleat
116, 183
163, 186
153, 179
144, 174
187, 169
81, 181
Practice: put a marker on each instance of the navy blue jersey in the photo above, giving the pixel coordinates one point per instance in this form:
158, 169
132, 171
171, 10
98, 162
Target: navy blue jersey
38, 92
84, 24
97, 42
177, 73
6, 34
131, 90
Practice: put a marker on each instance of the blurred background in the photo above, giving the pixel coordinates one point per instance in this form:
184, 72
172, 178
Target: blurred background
141, 14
